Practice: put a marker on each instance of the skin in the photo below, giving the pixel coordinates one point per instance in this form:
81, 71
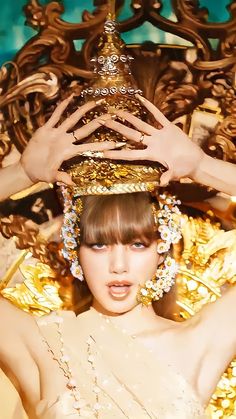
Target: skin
193, 346
181, 157
199, 348
134, 262
171, 147
49, 146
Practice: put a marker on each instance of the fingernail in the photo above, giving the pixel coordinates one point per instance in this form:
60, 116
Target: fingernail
114, 116
70, 97
100, 101
121, 144
141, 98
101, 121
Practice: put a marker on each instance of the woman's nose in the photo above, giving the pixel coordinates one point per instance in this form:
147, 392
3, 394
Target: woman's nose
118, 259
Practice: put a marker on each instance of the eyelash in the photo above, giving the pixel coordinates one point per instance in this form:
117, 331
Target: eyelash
143, 245
101, 246
95, 246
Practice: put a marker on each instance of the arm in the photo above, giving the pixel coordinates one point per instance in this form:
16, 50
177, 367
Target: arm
15, 358
25, 359
214, 337
171, 147
13, 179
217, 174
49, 146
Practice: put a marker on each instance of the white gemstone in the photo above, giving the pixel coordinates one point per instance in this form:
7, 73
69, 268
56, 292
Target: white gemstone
97, 406
65, 358
59, 320
76, 405
71, 383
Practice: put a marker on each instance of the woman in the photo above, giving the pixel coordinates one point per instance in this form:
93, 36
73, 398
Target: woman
119, 359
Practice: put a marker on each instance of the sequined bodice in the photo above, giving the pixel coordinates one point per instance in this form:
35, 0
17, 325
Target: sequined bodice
111, 375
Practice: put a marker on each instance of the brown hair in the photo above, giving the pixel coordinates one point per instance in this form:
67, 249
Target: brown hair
114, 219
119, 218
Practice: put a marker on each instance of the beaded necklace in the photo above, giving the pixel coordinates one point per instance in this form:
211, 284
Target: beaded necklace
79, 404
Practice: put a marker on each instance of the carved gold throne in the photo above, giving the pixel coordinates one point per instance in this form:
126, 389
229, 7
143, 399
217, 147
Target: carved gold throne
193, 85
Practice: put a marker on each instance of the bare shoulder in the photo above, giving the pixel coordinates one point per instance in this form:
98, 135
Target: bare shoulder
10, 315
15, 325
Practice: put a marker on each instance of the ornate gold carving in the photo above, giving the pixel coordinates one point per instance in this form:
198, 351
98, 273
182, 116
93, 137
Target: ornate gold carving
28, 237
38, 294
98, 177
176, 85
177, 79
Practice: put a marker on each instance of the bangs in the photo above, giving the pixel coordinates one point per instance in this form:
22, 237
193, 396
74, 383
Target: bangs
121, 218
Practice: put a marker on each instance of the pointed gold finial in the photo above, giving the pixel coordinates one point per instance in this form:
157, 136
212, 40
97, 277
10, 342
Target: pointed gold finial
114, 83
111, 64
111, 9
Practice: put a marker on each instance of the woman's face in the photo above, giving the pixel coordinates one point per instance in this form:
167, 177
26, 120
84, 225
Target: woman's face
115, 272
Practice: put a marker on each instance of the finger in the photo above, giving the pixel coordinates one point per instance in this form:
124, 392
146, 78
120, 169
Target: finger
77, 115
166, 178
129, 133
126, 155
136, 122
89, 128
63, 177
57, 113
78, 149
158, 115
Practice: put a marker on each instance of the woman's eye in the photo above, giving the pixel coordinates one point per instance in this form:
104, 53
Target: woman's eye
138, 245
98, 246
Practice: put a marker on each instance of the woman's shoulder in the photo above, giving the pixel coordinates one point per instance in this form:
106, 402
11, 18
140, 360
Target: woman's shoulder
17, 330
12, 318
14, 323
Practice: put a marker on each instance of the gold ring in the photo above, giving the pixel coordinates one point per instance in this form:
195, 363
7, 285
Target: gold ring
73, 133
142, 137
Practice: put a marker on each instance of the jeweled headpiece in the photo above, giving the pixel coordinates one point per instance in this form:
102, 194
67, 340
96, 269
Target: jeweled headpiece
94, 176
114, 82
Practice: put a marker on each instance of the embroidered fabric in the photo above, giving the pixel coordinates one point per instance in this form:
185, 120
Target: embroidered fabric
114, 371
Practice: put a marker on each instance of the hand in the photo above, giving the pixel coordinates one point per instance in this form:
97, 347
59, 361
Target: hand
169, 145
50, 146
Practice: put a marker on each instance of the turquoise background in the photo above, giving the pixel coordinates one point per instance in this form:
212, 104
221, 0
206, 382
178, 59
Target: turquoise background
14, 33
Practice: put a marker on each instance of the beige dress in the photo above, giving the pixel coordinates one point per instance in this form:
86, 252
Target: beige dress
115, 375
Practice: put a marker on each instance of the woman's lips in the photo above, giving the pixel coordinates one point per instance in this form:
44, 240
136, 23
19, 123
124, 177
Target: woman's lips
119, 289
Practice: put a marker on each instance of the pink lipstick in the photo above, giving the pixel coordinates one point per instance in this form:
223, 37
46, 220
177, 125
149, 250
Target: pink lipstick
119, 289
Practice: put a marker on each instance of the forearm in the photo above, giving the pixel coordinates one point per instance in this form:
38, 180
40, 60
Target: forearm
12, 180
217, 174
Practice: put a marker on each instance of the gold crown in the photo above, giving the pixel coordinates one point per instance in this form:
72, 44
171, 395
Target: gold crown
114, 82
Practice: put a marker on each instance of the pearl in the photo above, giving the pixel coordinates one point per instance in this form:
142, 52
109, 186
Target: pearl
76, 405
71, 383
97, 406
65, 358
59, 320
